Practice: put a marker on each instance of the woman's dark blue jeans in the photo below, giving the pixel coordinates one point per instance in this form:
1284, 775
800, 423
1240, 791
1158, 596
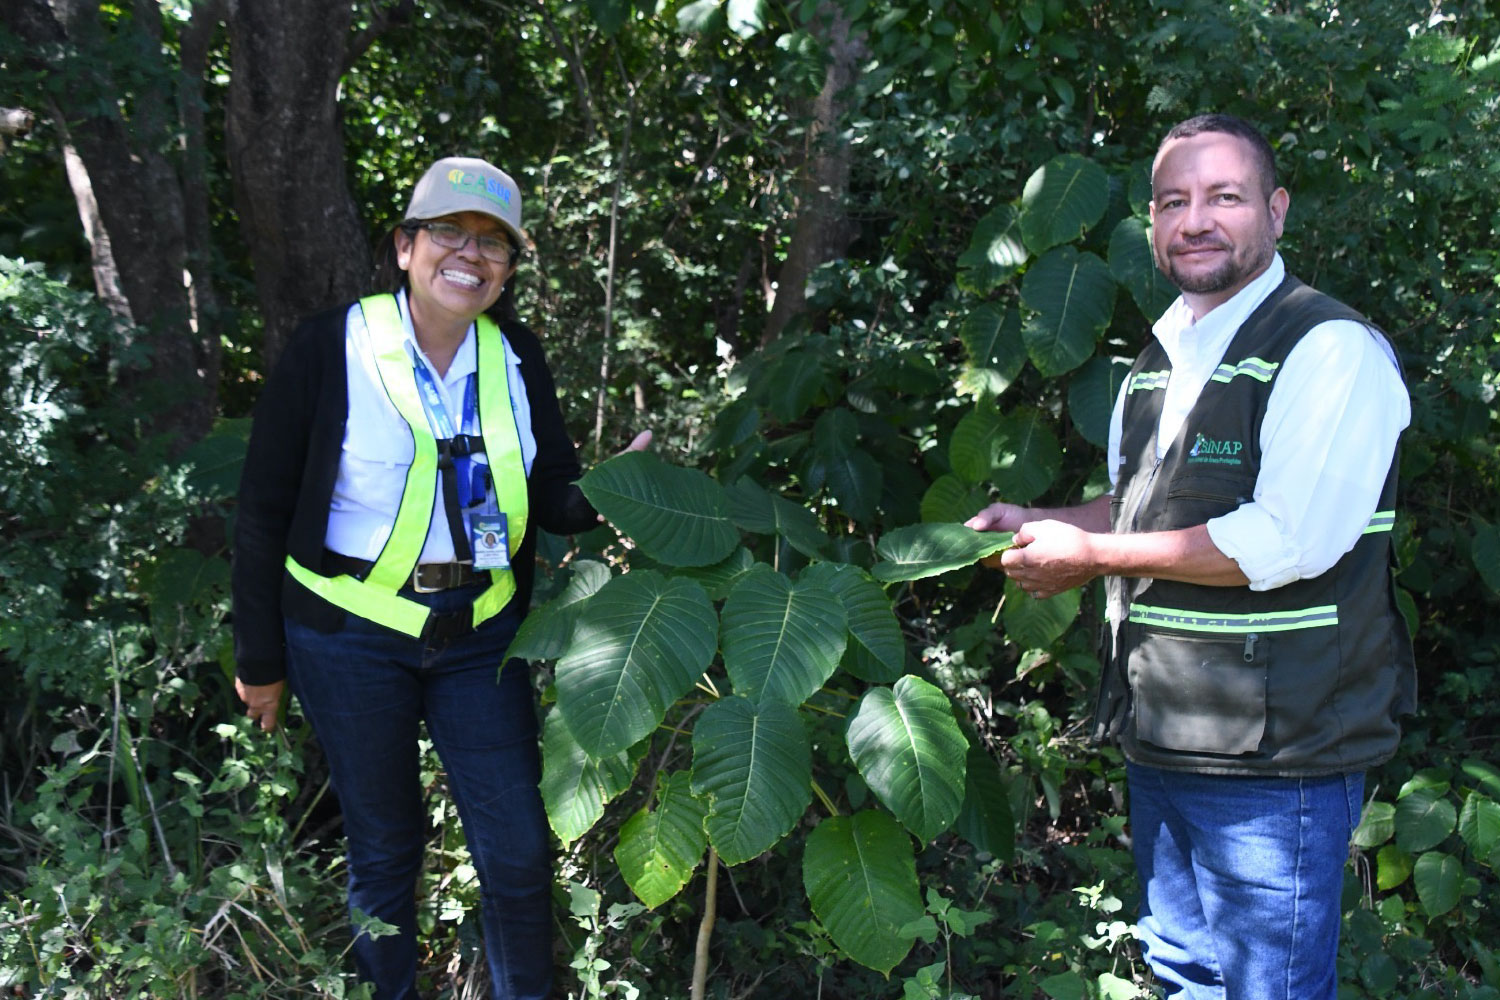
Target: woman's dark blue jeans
365, 688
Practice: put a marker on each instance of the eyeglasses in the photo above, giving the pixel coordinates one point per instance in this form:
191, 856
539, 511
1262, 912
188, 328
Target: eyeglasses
446, 234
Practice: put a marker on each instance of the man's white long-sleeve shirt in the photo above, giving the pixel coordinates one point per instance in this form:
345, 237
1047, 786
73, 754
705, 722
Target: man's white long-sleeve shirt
1335, 412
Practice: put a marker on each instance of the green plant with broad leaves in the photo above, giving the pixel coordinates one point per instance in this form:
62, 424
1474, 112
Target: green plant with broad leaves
1432, 851
746, 662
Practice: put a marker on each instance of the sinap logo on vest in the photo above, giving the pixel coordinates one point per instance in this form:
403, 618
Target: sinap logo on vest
1207, 451
475, 184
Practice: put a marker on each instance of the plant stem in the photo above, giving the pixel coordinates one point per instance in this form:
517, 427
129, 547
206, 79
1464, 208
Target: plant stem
706, 926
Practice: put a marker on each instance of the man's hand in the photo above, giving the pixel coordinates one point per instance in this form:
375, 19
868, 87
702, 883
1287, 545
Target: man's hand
640, 442
998, 517
1049, 557
262, 701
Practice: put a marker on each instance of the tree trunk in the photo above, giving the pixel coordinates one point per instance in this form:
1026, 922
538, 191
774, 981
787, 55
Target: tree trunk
822, 231
286, 154
130, 197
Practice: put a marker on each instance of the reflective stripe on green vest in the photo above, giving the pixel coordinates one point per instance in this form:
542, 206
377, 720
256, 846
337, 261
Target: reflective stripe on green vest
375, 598
1269, 621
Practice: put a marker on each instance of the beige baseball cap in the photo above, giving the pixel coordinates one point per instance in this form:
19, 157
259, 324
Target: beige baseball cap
467, 184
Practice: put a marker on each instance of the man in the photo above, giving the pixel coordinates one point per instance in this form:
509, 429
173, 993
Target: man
1257, 664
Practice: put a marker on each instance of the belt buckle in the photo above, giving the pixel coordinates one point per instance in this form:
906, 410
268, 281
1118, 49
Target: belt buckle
416, 578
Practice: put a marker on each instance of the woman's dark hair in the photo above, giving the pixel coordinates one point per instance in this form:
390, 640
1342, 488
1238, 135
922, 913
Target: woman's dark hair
389, 277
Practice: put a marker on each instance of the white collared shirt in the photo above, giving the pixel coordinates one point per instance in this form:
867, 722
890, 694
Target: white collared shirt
378, 446
1335, 412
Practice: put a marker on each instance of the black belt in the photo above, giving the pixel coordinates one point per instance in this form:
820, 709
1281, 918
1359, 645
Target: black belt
441, 626
426, 578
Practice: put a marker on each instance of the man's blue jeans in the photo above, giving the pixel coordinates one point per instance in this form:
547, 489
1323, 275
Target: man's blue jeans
365, 689
1242, 881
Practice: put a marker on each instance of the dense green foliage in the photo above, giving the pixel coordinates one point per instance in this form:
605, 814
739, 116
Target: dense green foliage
153, 844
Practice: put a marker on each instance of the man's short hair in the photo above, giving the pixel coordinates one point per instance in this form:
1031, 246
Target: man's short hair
1265, 157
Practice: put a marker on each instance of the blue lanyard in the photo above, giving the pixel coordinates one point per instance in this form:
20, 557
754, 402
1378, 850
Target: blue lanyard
442, 424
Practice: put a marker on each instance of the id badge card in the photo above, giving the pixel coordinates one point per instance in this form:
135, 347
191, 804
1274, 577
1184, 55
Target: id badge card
489, 540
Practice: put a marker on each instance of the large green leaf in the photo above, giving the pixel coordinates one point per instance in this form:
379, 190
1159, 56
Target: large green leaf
861, 879
1479, 824
574, 786
985, 819
911, 753
1133, 265
754, 765
922, 550
782, 640
677, 516
659, 848
1376, 826
1061, 200
1423, 820
1034, 624
877, 649
1017, 452
995, 252
853, 477
1392, 867
994, 350
1439, 879
1073, 297
545, 632
645, 641
753, 509
1091, 397
949, 498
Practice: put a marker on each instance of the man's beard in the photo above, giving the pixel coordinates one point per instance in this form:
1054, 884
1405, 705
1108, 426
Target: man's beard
1234, 270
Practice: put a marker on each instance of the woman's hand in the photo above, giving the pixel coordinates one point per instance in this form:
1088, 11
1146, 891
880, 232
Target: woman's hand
262, 701
640, 442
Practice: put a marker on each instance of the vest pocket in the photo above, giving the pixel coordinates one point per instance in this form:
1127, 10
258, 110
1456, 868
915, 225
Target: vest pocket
1200, 694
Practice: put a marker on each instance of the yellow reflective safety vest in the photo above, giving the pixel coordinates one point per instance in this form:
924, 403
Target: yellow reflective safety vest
376, 597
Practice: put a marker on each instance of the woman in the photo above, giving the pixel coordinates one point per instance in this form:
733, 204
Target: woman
403, 453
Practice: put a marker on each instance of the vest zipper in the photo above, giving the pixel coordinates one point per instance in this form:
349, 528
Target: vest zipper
1250, 641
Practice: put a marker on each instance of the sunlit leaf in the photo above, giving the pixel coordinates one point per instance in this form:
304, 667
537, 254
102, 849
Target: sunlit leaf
1423, 820
1376, 826
912, 754
1061, 200
660, 848
782, 640
994, 350
645, 641
677, 516
922, 550
996, 252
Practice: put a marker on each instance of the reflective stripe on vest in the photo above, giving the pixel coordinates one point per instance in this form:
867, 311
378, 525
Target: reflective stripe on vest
1256, 368
1147, 381
1269, 621
375, 598
1381, 520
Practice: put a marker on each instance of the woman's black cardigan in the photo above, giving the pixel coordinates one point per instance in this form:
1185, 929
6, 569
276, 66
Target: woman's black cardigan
286, 487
